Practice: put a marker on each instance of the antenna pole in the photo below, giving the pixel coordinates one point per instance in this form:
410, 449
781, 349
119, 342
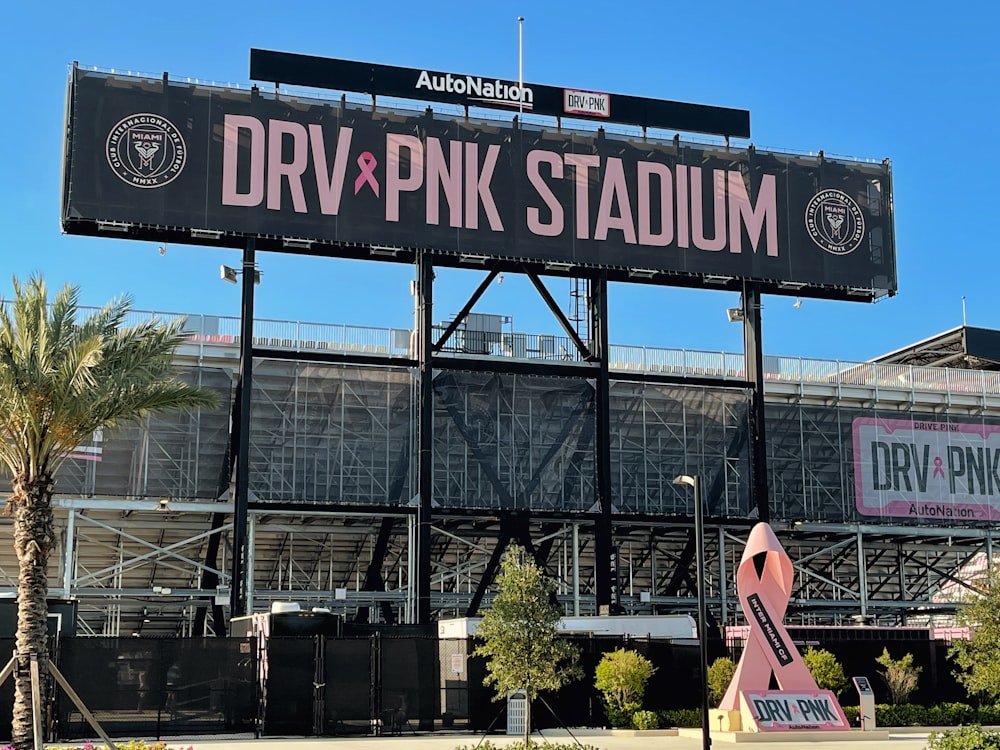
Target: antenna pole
520, 66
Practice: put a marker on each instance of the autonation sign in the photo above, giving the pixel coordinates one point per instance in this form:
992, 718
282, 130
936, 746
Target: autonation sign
937, 470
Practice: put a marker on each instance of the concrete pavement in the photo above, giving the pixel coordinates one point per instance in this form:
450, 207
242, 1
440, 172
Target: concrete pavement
601, 739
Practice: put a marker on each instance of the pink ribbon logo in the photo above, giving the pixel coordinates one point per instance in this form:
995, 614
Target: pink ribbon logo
764, 584
367, 163
938, 471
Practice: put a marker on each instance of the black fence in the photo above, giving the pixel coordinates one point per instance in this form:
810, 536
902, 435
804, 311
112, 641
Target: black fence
380, 683
154, 687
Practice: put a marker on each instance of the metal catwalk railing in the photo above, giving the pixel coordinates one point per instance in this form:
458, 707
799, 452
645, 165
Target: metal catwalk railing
222, 331
396, 342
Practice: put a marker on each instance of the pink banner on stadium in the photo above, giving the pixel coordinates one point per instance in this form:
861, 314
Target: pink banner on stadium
925, 468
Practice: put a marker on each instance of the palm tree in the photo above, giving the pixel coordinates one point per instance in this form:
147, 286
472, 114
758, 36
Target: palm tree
60, 380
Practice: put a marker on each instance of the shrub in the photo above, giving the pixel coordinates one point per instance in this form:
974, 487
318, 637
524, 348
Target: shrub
645, 720
621, 676
826, 670
900, 715
720, 674
680, 717
964, 738
949, 715
853, 714
899, 675
939, 715
989, 715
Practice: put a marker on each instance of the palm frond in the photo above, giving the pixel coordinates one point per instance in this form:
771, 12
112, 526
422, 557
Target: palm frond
62, 378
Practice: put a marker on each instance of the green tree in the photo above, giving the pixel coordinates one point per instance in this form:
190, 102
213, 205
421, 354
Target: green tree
519, 634
826, 670
720, 674
621, 676
899, 675
978, 658
60, 380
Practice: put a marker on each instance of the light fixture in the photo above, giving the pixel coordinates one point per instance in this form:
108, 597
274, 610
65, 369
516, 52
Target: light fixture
226, 273
164, 504
793, 285
296, 243
735, 314
385, 250
113, 226
206, 234
712, 279
473, 258
558, 266
857, 291
641, 273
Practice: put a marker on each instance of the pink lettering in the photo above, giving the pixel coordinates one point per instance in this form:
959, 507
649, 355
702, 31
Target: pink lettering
394, 182
645, 171
755, 218
477, 187
582, 163
718, 241
330, 186
535, 224
448, 179
232, 125
614, 191
292, 171
682, 206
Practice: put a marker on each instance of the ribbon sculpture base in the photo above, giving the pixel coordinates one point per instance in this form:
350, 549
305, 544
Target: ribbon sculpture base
780, 710
764, 585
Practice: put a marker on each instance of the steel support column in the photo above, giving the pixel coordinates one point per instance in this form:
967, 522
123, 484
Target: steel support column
425, 432
238, 591
753, 355
605, 573
862, 576
723, 582
68, 546
576, 569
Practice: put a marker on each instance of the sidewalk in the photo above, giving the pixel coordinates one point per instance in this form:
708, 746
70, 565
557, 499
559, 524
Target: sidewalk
602, 739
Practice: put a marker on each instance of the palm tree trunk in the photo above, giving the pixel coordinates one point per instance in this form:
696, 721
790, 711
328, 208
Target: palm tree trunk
34, 539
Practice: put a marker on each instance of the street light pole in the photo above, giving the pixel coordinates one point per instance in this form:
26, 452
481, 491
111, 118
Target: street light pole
699, 540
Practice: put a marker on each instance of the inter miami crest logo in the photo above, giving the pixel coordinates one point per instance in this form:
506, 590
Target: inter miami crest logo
146, 150
835, 222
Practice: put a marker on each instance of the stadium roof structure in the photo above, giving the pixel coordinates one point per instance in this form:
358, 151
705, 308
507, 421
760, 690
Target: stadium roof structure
963, 347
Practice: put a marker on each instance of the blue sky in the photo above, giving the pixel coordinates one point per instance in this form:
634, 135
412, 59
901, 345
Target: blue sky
910, 81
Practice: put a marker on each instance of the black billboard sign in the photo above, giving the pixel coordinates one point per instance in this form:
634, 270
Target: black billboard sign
226, 163
476, 91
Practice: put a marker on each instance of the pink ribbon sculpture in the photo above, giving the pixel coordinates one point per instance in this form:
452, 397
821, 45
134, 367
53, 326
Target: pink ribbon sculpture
764, 585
